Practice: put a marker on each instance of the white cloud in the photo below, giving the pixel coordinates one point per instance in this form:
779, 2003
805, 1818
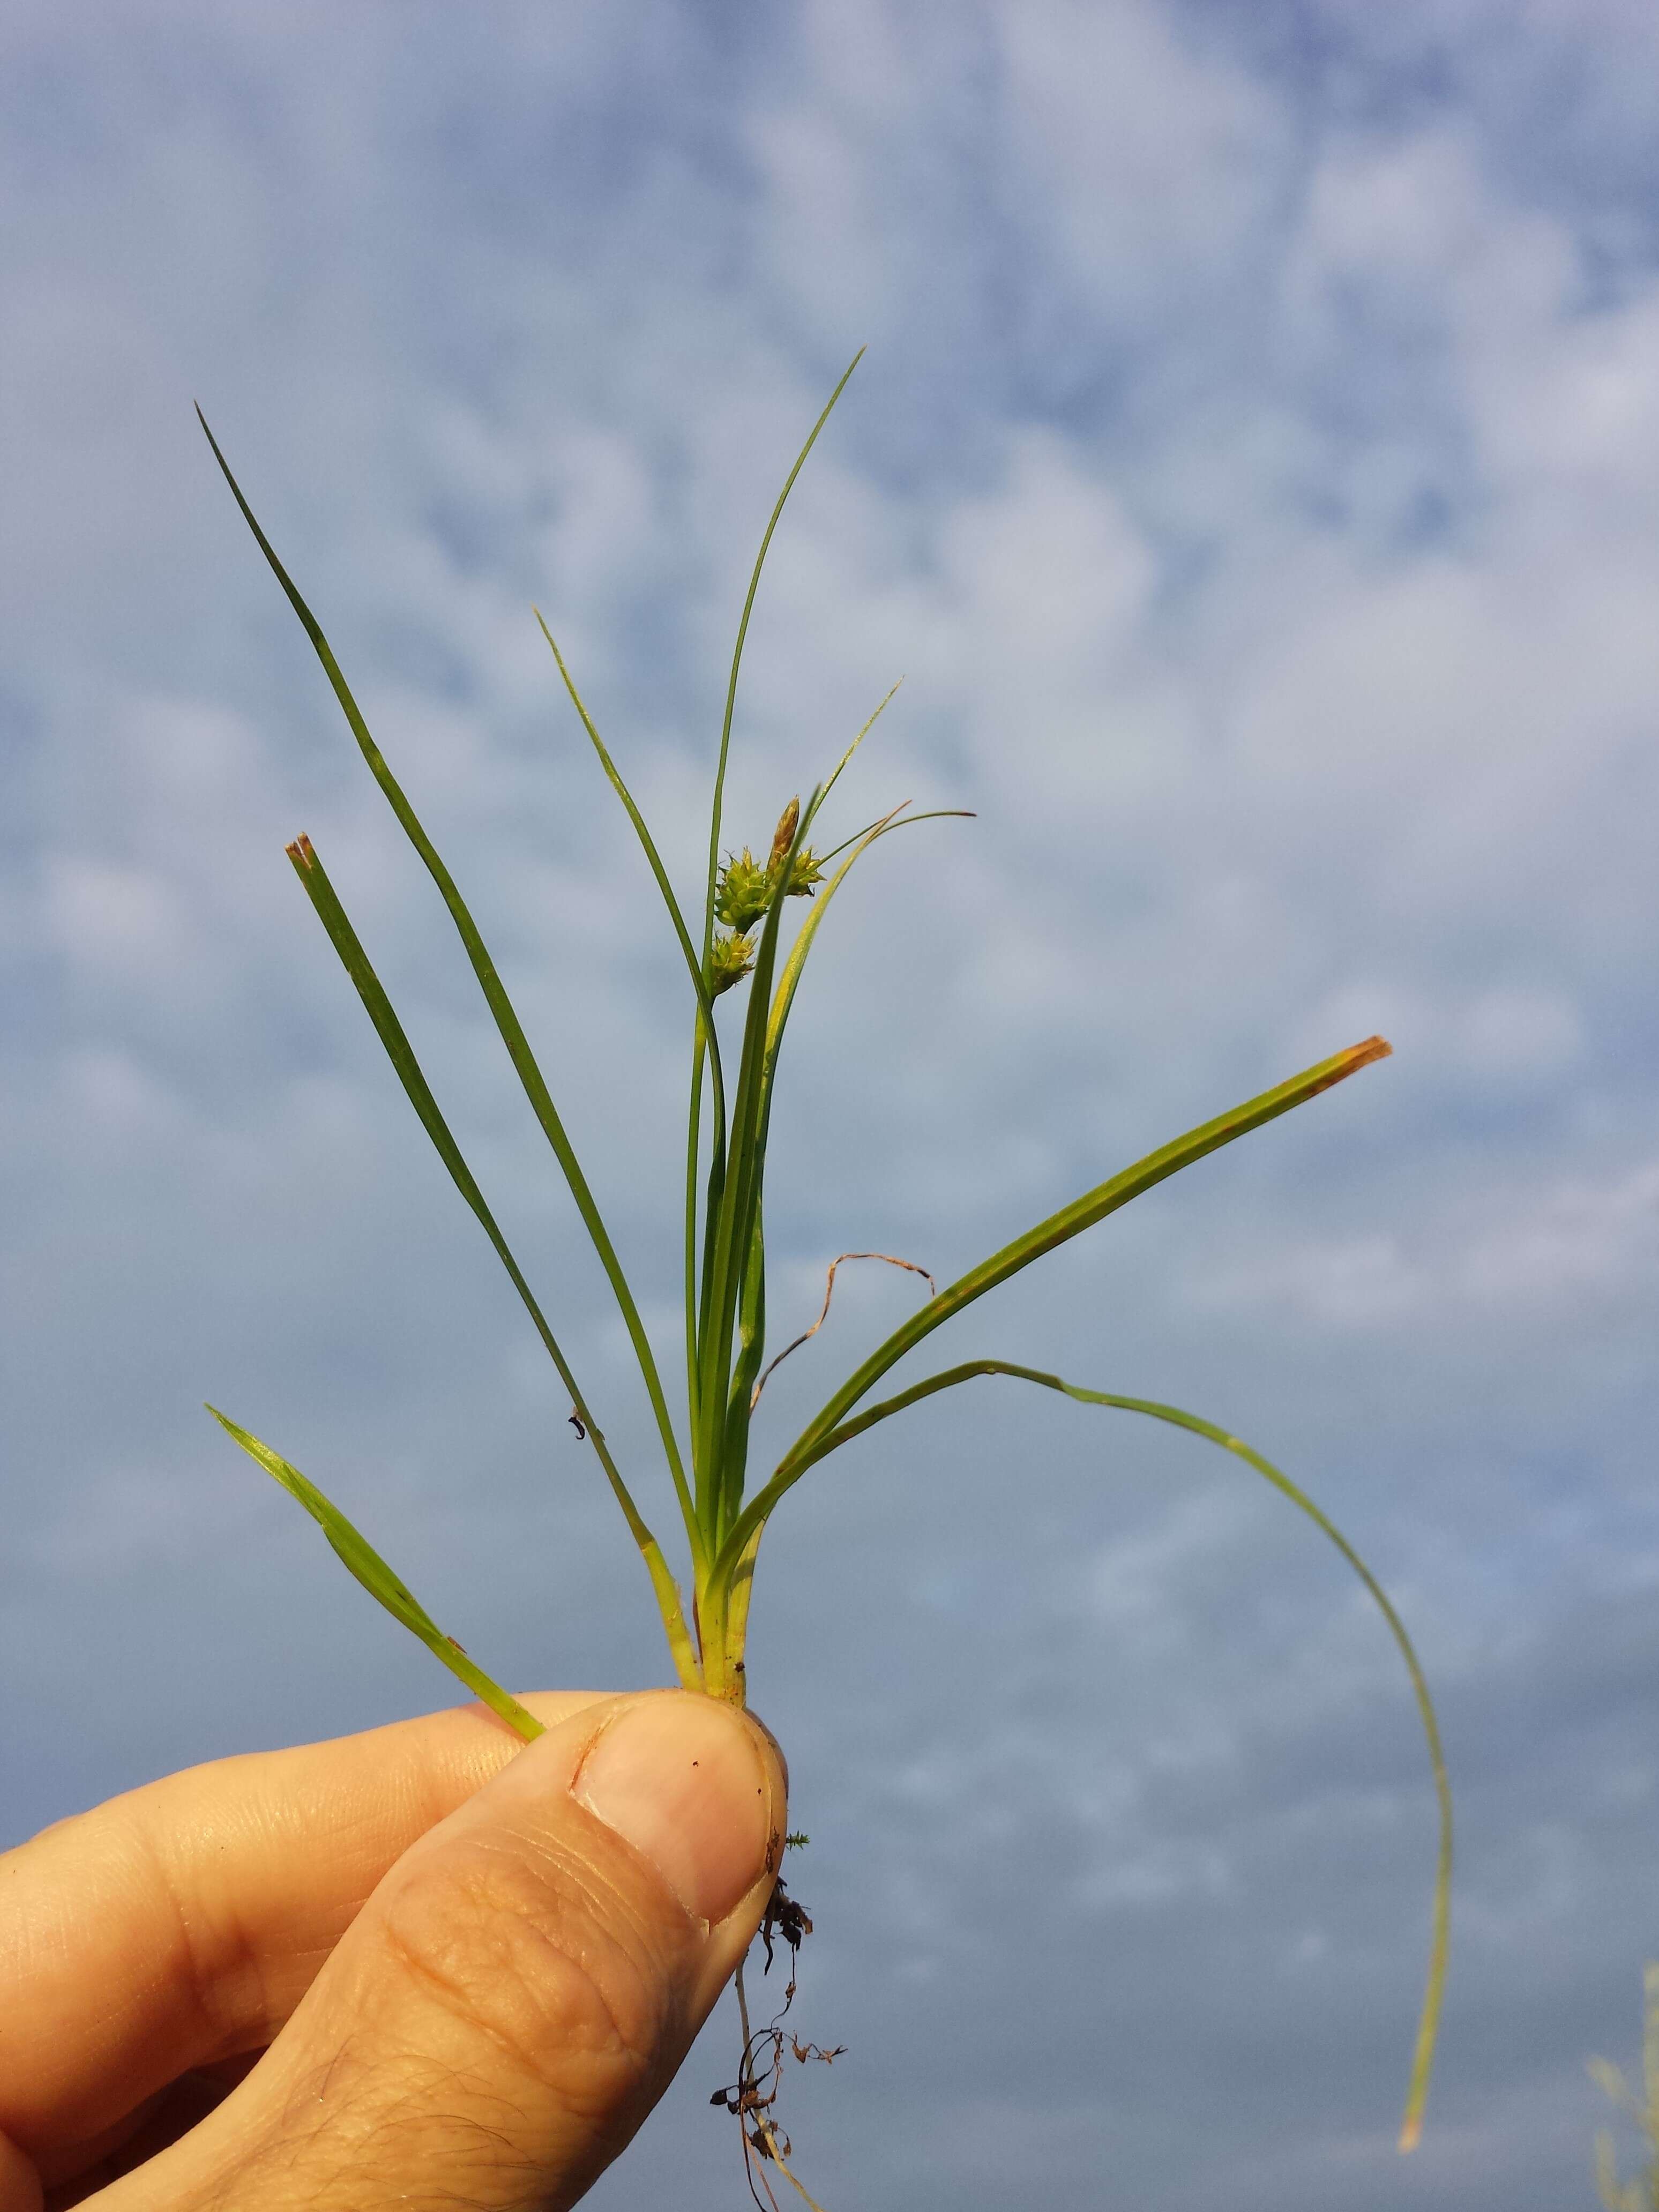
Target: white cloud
123, 921
1153, 165
1544, 1253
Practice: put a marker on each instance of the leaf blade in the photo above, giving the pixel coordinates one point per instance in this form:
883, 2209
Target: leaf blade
361, 1561
783, 997
508, 1026
707, 1041
737, 651
706, 1005
337, 923
1440, 1918
1084, 1213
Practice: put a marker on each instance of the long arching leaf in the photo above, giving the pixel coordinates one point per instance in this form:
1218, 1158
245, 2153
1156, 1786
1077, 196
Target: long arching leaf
1428, 2026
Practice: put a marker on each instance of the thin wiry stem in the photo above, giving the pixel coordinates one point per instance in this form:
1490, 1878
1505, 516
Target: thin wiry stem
737, 652
823, 1311
731, 1235
705, 1004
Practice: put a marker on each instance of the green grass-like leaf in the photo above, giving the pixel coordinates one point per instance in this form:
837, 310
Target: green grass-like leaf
1047, 1236
326, 904
1440, 1934
717, 809
483, 967
365, 1563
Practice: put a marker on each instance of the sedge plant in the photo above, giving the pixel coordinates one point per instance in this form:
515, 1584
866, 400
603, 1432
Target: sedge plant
1641, 2192
745, 944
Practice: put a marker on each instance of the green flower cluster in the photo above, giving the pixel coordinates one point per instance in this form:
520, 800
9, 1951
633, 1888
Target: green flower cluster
745, 892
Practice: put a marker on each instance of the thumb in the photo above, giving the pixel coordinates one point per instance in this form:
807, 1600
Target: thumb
517, 1991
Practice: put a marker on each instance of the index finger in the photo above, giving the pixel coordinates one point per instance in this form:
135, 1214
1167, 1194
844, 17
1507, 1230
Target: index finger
183, 1922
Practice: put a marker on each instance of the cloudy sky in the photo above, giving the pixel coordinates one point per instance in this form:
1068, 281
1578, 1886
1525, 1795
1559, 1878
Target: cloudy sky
1253, 474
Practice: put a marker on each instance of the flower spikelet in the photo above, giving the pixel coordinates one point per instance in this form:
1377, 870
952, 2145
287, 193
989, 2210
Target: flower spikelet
729, 959
745, 892
784, 836
807, 871
806, 874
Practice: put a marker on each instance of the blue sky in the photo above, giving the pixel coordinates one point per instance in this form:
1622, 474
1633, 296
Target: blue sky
1252, 474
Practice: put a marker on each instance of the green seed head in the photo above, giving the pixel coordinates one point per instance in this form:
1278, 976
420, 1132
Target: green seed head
730, 960
806, 874
744, 893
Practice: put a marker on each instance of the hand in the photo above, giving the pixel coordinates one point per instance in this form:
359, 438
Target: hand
475, 1963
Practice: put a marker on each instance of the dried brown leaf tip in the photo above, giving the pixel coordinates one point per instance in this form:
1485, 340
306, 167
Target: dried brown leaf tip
301, 852
1349, 1063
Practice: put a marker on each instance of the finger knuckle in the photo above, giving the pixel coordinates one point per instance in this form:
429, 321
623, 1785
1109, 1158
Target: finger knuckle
542, 1953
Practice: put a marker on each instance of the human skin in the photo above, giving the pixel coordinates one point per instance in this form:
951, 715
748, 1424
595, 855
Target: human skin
429, 1965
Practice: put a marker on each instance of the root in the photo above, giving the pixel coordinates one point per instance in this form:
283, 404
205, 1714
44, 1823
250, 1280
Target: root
760, 2070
